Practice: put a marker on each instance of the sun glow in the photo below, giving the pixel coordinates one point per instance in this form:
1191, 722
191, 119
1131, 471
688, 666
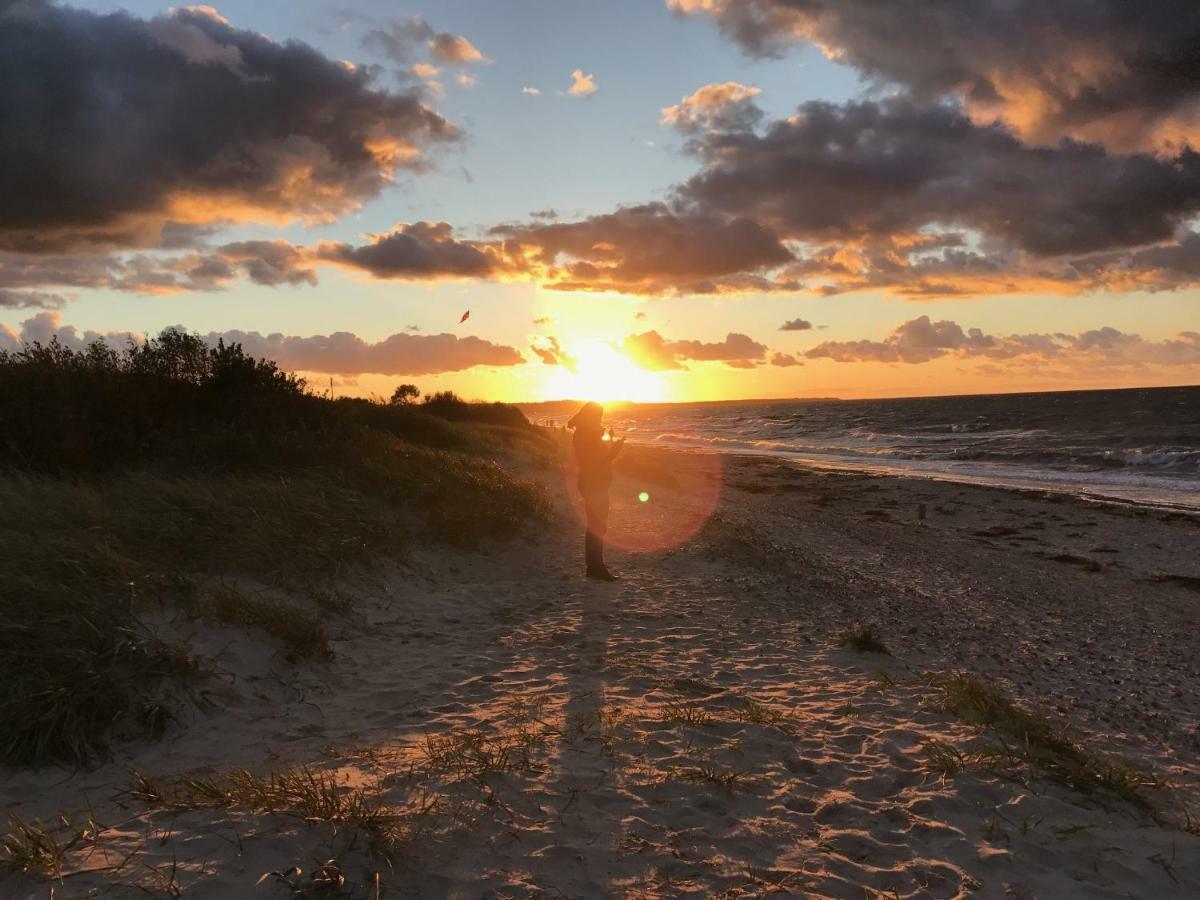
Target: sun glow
603, 373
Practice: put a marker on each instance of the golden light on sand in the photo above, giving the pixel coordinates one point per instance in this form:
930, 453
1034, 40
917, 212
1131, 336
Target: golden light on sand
603, 373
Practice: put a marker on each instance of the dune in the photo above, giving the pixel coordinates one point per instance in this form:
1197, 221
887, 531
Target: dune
806, 692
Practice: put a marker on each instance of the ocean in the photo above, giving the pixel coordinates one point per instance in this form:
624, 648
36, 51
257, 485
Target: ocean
1138, 445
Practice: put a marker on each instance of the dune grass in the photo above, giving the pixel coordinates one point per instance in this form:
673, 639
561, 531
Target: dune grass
129, 480
1030, 740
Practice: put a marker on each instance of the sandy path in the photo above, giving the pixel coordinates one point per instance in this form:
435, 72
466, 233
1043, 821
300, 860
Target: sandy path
688, 731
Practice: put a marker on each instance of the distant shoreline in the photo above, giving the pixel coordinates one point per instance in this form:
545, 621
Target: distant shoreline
543, 405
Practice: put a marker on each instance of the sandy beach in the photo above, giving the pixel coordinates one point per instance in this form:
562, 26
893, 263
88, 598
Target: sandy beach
696, 728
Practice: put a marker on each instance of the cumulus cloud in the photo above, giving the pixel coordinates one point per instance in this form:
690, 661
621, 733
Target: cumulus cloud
1110, 71
582, 85
921, 340
796, 325
454, 48
874, 169
344, 353
715, 107
652, 351
785, 359
183, 118
48, 326
340, 353
403, 40
416, 251
531, 91
648, 250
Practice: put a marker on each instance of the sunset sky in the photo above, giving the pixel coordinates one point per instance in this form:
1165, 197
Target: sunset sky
636, 199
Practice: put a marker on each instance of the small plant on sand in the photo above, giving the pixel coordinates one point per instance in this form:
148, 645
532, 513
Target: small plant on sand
31, 847
862, 639
608, 725
325, 882
755, 713
883, 680
726, 779
946, 759
1031, 739
683, 713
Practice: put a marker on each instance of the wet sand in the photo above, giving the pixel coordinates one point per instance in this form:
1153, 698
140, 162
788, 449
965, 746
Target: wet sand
694, 729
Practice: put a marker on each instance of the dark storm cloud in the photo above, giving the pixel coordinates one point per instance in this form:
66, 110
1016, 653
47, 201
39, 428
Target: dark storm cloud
871, 169
115, 125
417, 251
1112, 70
651, 350
648, 249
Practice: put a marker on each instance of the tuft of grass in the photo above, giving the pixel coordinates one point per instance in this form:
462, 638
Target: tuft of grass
1032, 740
945, 758
31, 848
862, 639
726, 779
298, 630
682, 713
757, 713
302, 792
609, 725
474, 754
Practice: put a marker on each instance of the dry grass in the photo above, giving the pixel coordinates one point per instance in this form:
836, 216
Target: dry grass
685, 713
474, 754
1032, 741
755, 713
862, 639
302, 792
31, 847
718, 776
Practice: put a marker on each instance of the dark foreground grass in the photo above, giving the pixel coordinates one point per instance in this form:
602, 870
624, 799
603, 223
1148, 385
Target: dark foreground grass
128, 481
1030, 740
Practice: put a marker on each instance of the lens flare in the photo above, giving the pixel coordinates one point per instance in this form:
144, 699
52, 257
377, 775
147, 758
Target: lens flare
684, 500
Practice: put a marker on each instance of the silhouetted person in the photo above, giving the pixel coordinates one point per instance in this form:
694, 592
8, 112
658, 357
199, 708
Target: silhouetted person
594, 455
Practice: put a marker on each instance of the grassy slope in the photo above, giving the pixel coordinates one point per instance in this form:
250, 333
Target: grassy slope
125, 480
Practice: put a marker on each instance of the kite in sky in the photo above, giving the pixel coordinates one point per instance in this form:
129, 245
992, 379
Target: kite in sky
465, 316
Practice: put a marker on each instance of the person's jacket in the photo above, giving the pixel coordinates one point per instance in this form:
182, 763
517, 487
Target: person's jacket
594, 456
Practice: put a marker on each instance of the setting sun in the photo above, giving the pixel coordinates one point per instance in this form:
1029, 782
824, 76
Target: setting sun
603, 373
